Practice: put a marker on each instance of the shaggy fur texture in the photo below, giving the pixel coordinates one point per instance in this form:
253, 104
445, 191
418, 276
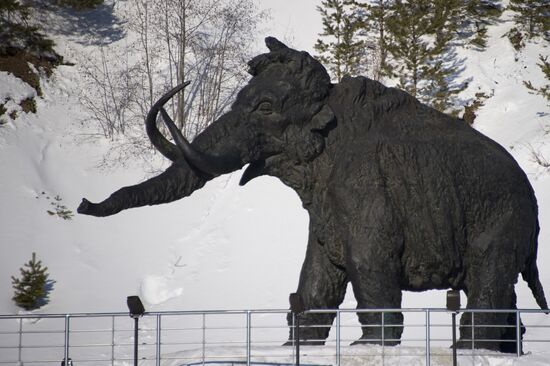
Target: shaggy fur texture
400, 196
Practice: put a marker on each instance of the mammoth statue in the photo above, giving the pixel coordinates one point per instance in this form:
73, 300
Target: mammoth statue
399, 195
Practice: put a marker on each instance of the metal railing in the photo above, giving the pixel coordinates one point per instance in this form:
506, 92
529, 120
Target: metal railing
248, 337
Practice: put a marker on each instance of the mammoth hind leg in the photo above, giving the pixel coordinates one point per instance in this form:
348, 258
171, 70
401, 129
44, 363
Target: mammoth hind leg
490, 285
322, 285
493, 331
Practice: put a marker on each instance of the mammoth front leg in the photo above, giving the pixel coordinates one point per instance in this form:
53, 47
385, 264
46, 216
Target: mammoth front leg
374, 269
375, 287
322, 286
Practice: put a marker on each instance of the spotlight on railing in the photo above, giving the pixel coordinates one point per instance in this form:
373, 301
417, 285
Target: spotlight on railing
136, 311
135, 306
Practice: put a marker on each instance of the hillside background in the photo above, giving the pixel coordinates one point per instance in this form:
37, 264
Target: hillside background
225, 247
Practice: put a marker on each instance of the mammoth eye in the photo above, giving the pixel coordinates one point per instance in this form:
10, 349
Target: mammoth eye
265, 108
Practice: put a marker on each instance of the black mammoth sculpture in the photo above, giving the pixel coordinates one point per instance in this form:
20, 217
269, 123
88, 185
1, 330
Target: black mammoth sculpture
399, 195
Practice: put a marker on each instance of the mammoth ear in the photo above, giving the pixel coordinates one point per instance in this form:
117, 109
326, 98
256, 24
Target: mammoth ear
274, 44
322, 119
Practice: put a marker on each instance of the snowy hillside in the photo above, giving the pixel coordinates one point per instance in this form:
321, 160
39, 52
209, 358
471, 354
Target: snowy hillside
225, 247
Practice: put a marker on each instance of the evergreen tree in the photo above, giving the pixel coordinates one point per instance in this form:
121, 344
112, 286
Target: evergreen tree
340, 47
419, 35
532, 16
407, 27
544, 90
440, 91
373, 16
79, 4
30, 290
12, 11
16, 34
475, 17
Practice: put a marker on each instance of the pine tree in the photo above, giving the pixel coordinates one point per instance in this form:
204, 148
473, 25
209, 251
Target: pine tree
79, 4
419, 35
440, 90
340, 47
13, 18
30, 290
532, 16
373, 17
16, 32
475, 17
544, 90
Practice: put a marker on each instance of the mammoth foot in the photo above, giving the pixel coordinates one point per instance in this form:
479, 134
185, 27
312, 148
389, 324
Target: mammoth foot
364, 341
500, 332
305, 342
504, 346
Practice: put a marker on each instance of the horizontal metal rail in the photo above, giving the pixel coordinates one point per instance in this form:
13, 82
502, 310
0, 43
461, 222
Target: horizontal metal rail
224, 336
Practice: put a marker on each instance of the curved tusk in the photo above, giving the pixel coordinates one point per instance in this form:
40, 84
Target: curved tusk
165, 147
208, 164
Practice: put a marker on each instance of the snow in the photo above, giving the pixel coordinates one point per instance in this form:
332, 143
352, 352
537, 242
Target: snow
362, 356
225, 247
14, 88
12, 91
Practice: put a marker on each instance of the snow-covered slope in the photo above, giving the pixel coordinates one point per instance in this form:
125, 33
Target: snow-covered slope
226, 246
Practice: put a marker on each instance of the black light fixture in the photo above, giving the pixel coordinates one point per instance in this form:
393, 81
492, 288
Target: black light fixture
136, 311
297, 308
135, 306
453, 304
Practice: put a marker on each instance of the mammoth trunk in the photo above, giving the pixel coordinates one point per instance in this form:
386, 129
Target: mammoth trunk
178, 181
182, 178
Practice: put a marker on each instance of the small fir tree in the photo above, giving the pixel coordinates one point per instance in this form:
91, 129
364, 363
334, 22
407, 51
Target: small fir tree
340, 47
30, 290
532, 16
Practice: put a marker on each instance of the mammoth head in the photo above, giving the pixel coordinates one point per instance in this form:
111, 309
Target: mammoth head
287, 97
279, 118
281, 111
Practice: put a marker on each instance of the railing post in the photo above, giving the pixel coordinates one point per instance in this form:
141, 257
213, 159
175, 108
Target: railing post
338, 337
293, 336
453, 315
203, 337
248, 337
383, 343
158, 333
20, 351
427, 337
473, 332
113, 340
66, 347
518, 334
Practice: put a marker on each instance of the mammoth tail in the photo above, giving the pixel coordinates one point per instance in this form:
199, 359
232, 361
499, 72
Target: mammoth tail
531, 275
